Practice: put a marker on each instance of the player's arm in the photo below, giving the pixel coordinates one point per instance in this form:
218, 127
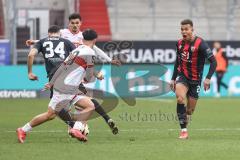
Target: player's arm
102, 54
175, 73
30, 60
213, 63
36, 49
30, 42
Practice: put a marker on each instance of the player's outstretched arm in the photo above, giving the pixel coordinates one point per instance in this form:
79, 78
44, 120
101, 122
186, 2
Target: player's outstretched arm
30, 60
30, 42
102, 54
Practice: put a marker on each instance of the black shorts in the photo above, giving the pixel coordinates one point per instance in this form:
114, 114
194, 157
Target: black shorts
194, 87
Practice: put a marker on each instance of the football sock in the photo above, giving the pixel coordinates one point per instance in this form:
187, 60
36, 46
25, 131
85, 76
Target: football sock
182, 116
66, 117
99, 110
27, 128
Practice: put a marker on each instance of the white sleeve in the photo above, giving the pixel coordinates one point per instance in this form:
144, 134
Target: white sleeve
72, 56
102, 54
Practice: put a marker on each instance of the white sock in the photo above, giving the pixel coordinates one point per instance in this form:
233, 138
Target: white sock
184, 130
79, 126
27, 128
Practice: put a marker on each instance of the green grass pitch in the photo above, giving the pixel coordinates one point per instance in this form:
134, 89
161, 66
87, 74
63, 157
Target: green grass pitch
147, 131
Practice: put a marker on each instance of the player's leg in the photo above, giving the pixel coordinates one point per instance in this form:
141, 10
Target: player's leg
87, 108
62, 114
82, 117
191, 105
218, 75
181, 93
44, 117
221, 82
37, 120
99, 109
66, 117
193, 91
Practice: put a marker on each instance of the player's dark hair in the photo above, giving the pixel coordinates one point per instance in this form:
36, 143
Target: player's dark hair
187, 21
89, 34
75, 16
53, 29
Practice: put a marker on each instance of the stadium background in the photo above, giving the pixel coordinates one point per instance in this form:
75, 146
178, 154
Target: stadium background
153, 26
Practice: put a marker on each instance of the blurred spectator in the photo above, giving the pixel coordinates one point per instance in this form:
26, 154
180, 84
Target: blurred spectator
222, 64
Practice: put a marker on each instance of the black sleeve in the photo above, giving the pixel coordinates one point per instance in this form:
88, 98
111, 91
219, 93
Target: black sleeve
39, 45
175, 70
205, 49
212, 68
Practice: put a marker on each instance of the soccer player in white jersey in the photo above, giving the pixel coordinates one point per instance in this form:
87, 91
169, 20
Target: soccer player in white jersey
74, 34
77, 66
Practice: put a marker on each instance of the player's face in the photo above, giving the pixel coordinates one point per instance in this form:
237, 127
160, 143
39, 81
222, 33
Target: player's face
187, 32
217, 45
74, 25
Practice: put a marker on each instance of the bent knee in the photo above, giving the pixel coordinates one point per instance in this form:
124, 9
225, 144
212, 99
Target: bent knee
91, 107
180, 99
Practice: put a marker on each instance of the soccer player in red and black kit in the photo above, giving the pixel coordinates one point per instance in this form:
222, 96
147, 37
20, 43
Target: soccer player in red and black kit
187, 76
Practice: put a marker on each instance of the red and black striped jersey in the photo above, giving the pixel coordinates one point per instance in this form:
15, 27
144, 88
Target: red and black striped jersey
191, 58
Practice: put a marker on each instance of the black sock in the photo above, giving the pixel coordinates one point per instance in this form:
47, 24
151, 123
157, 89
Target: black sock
99, 110
182, 115
66, 117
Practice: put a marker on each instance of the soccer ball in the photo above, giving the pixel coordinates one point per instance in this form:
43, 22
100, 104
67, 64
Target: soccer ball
85, 130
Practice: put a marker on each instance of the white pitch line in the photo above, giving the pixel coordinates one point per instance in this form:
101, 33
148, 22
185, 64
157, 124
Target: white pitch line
139, 130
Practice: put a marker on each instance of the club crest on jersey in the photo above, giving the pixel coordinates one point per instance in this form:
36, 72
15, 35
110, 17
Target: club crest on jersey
180, 47
193, 48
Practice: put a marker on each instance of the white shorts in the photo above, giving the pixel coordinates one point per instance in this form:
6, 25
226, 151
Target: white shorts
60, 101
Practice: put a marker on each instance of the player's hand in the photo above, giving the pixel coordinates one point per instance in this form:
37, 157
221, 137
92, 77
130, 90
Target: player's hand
99, 76
116, 62
47, 86
206, 84
173, 85
32, 77
29, 42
